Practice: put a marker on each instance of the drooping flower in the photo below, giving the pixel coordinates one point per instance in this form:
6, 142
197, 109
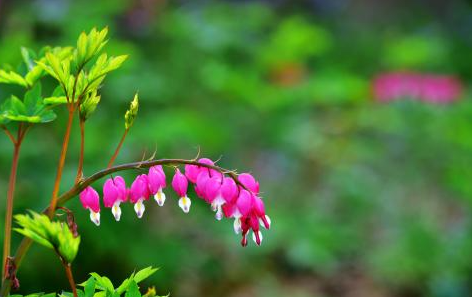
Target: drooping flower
157, 181
180, 185
213, 195
114, 193
91, 201
249, 182
248, 212
139, 192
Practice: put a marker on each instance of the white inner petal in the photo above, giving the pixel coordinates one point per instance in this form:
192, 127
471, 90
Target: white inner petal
116, 211
184, 204
139, 208
95, 217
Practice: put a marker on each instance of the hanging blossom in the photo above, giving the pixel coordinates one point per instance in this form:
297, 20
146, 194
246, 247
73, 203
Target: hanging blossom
91, 201
139, 192
114, 193
237, 199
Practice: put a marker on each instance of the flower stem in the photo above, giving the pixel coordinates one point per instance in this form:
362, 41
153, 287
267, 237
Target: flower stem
60, 166
112, 160
9, 208
70, 276
81, 154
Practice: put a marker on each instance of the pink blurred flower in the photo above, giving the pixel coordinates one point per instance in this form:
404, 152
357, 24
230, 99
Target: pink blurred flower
114, 193
425, 87
91, 201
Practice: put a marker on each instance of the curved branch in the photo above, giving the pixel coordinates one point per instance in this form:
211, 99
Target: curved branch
82, 184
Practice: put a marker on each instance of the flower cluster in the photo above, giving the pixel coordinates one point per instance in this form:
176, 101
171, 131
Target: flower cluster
424, 87
235, 196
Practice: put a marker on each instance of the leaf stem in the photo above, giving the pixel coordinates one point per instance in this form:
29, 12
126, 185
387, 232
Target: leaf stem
117, 150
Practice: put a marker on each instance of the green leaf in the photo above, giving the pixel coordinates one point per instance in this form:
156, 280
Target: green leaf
89, 287
103, 282
55, 100
125, 284
144, 273
133, 290
12, 77
28, 56
54, 235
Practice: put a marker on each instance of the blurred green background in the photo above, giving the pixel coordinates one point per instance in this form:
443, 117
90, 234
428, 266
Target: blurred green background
366, 199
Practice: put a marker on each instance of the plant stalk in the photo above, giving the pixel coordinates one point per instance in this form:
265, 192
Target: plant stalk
9, 207
60, 166
70, 277
80, 167
120, 144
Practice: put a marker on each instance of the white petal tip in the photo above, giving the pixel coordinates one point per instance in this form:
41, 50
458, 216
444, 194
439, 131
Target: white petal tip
237, 226
257, 237
116, 211
184, 204
160, 198
95, 217
139, 208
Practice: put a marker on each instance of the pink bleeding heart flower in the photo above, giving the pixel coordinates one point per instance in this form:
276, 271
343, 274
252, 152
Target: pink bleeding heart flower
91, 201
200, 185
114, 193
191, 172
157, 181
139, 192
229, 190
249, 182
213, 195
180, 185
249, 213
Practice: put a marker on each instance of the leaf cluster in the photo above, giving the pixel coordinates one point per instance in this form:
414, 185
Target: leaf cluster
51, 234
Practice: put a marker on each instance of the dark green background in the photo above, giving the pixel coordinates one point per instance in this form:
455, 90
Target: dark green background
366, 199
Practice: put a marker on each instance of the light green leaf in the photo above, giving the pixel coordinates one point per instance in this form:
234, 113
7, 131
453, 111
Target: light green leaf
144, 273
133, 290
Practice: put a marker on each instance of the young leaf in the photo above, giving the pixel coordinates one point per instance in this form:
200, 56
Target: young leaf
144, 273
133, 290
103, 282
54, 235
132, 112
12, 78
89, 287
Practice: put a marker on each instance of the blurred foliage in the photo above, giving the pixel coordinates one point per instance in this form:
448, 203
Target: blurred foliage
366, 199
